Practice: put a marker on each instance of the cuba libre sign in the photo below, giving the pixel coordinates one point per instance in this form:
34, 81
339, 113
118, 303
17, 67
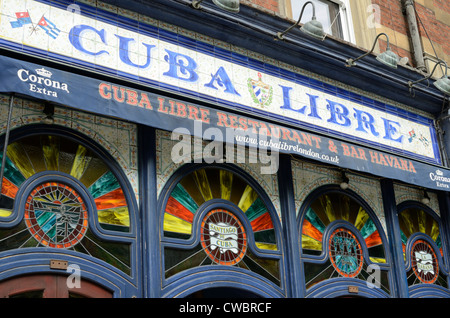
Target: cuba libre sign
71, 34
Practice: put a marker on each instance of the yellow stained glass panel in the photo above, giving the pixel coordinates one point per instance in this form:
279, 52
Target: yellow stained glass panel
203, 184
226, 182
248, 197
361, 218
80, 163
5, 213
51, 152
310, 243
20, 159
177, 225
118, 216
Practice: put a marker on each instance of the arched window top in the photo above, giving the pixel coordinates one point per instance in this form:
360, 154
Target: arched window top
38, 153
211, 183
341, 240
65, 192
423, 246
416, 218
328, 206
215, 215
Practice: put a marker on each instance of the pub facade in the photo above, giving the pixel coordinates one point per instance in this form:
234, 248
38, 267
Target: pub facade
170, 149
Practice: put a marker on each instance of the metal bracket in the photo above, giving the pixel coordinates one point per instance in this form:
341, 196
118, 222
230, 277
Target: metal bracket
57, 264
353, 289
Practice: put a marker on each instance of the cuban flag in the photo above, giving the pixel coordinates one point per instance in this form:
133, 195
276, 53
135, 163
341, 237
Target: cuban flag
22, 19
49, 27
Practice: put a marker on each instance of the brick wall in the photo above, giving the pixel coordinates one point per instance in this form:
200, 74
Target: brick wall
270, 6
437, 22
433, 14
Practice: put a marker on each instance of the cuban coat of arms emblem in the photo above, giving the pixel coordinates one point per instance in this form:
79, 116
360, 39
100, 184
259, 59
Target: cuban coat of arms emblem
260, 92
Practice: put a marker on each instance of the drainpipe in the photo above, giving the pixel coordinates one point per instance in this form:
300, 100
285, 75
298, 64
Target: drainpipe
408, 7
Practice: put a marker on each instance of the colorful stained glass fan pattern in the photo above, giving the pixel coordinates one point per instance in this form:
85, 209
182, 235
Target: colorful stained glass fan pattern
210, 183
337, 206
345, 257
223, 238
416, 220
34, 154
55, 215
424, 262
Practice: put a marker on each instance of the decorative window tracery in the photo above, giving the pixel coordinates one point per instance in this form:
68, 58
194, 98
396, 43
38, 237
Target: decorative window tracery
341, 239
60, 193
213, 216
422, 246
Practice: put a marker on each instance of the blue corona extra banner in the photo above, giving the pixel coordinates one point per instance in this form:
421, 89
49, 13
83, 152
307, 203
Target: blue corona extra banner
171, 114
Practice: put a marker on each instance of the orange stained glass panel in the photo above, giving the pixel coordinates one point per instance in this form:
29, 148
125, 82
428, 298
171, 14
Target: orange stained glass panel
110, 200
264, 222
373, 240
177, 209
311, 231
9, 189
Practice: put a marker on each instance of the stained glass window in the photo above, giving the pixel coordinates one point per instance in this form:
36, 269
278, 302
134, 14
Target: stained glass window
223, 239
54, 214
336, 206
416, 220
34, 154
345, 252
344, 245
424, 264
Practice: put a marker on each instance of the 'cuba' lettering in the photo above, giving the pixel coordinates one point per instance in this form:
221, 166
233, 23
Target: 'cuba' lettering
180, 64
222, 79
124, 55
75, 36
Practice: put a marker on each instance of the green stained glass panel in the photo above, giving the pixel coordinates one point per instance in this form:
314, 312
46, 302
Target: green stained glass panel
11, 172
267, 236
46, 221
105, 184
368, 228
182, 196
312, 217
256, 209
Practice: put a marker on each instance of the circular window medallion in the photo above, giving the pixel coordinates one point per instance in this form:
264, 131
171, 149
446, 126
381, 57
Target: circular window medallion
223, 237
345, 252
56, 215
424, 262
